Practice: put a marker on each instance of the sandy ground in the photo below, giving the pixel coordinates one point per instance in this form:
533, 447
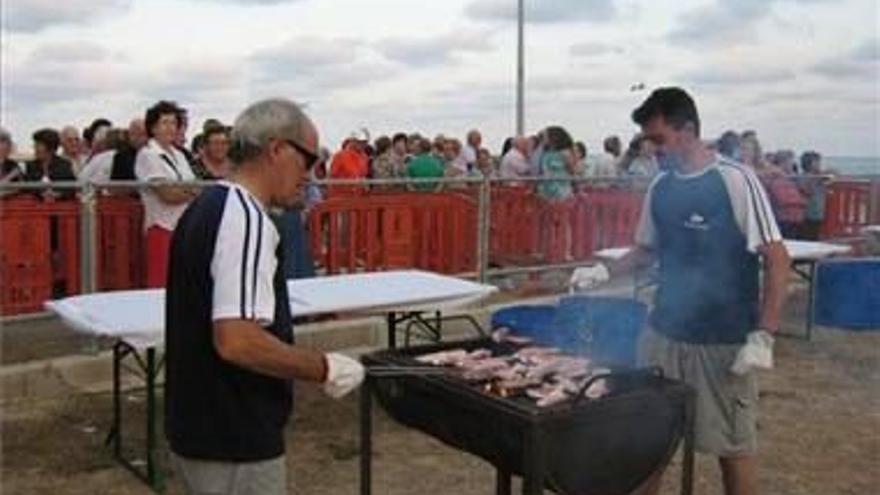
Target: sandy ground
819, 427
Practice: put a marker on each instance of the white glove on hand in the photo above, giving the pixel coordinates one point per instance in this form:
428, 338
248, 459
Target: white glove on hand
589, 277
344, 374
756, 353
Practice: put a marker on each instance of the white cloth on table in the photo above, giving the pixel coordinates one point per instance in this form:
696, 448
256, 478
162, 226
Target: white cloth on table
138, 316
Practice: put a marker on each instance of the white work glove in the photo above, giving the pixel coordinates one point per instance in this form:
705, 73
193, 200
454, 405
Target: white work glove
589, 277
344, 374
757, 352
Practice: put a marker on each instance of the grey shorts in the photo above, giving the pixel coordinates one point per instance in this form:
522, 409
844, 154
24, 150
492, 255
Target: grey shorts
726, 404
229, 478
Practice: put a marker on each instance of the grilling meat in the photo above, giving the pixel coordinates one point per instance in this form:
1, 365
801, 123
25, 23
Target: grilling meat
543, 373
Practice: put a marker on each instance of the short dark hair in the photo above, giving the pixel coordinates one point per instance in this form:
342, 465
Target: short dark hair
612, 145
213, 130
48, 138
155, 112
558, 139
729, 143
508, 143
673, 104
383, 144
581, 148
198, 141
400, 136
89, 132
808, 160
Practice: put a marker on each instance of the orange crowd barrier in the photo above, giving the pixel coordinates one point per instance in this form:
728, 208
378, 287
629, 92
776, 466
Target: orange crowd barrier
348, 233
390, 230
848, 208
120, 243
25, 258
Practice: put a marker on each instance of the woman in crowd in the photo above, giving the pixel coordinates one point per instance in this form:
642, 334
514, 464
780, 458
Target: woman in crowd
11, 170
161, 163
558, 160
47, 166
813, 187
785, 198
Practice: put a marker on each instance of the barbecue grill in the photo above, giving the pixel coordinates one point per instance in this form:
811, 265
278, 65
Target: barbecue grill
607, 446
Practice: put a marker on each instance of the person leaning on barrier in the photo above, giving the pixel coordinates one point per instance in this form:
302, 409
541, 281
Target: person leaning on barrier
162, 164
425, 165
47, 166
124, 159
11, 170
230, 353
707, 222
213, 160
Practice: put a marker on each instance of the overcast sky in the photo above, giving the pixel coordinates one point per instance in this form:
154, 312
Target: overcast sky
803, 73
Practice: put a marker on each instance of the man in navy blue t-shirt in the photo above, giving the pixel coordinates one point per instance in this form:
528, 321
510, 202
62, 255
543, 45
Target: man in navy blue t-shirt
706, 222
230, 357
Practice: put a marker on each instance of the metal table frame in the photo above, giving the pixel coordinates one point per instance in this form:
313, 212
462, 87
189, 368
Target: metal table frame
806, 269
533, 458
148, 365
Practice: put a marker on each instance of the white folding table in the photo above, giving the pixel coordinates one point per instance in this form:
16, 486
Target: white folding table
135, 319
804, 257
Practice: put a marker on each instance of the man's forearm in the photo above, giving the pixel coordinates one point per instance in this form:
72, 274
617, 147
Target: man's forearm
776, 266
247, 345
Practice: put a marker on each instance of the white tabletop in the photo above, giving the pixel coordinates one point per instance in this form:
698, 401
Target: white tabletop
871, 229
138, 316
797, 250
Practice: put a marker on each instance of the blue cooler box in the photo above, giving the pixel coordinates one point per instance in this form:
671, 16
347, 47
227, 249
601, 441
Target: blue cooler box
605, 328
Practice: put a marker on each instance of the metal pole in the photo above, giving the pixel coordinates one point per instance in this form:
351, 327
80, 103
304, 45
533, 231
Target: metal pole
483, 226
88, 260
874, 201
520, 72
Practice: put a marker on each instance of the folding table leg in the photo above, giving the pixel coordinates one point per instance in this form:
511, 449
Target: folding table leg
153, 474
391, 320
502, 482
366, 414
811, 278
115, 434
687, 464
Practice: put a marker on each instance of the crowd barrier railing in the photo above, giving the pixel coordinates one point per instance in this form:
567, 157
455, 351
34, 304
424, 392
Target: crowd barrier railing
89, 237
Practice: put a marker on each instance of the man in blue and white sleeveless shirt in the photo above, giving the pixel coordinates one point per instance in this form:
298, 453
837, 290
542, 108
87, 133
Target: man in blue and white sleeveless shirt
706, 221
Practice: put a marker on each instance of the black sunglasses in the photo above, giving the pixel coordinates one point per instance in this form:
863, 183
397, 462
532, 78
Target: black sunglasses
310, 158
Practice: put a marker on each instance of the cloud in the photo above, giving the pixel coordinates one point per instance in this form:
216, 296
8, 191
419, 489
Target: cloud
737, 76
70, 52
868, 51
36, 15
724, 22
859, 62
590, 48
312, 67
543, 11
438, 50
305, 54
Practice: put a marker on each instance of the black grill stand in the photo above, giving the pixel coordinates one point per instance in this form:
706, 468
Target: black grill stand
533, 457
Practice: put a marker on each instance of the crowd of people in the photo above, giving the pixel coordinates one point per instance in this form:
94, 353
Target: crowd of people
155, 148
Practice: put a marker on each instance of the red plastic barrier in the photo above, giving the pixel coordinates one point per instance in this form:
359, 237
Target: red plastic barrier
64, 228
514, 225
120, 243
25, 260
847, 208
605, 218
432, 231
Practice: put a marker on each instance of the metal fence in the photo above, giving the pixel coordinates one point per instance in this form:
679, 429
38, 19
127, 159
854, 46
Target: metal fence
479, 188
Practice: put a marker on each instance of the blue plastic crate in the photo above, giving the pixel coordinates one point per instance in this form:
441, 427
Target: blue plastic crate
605, 328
